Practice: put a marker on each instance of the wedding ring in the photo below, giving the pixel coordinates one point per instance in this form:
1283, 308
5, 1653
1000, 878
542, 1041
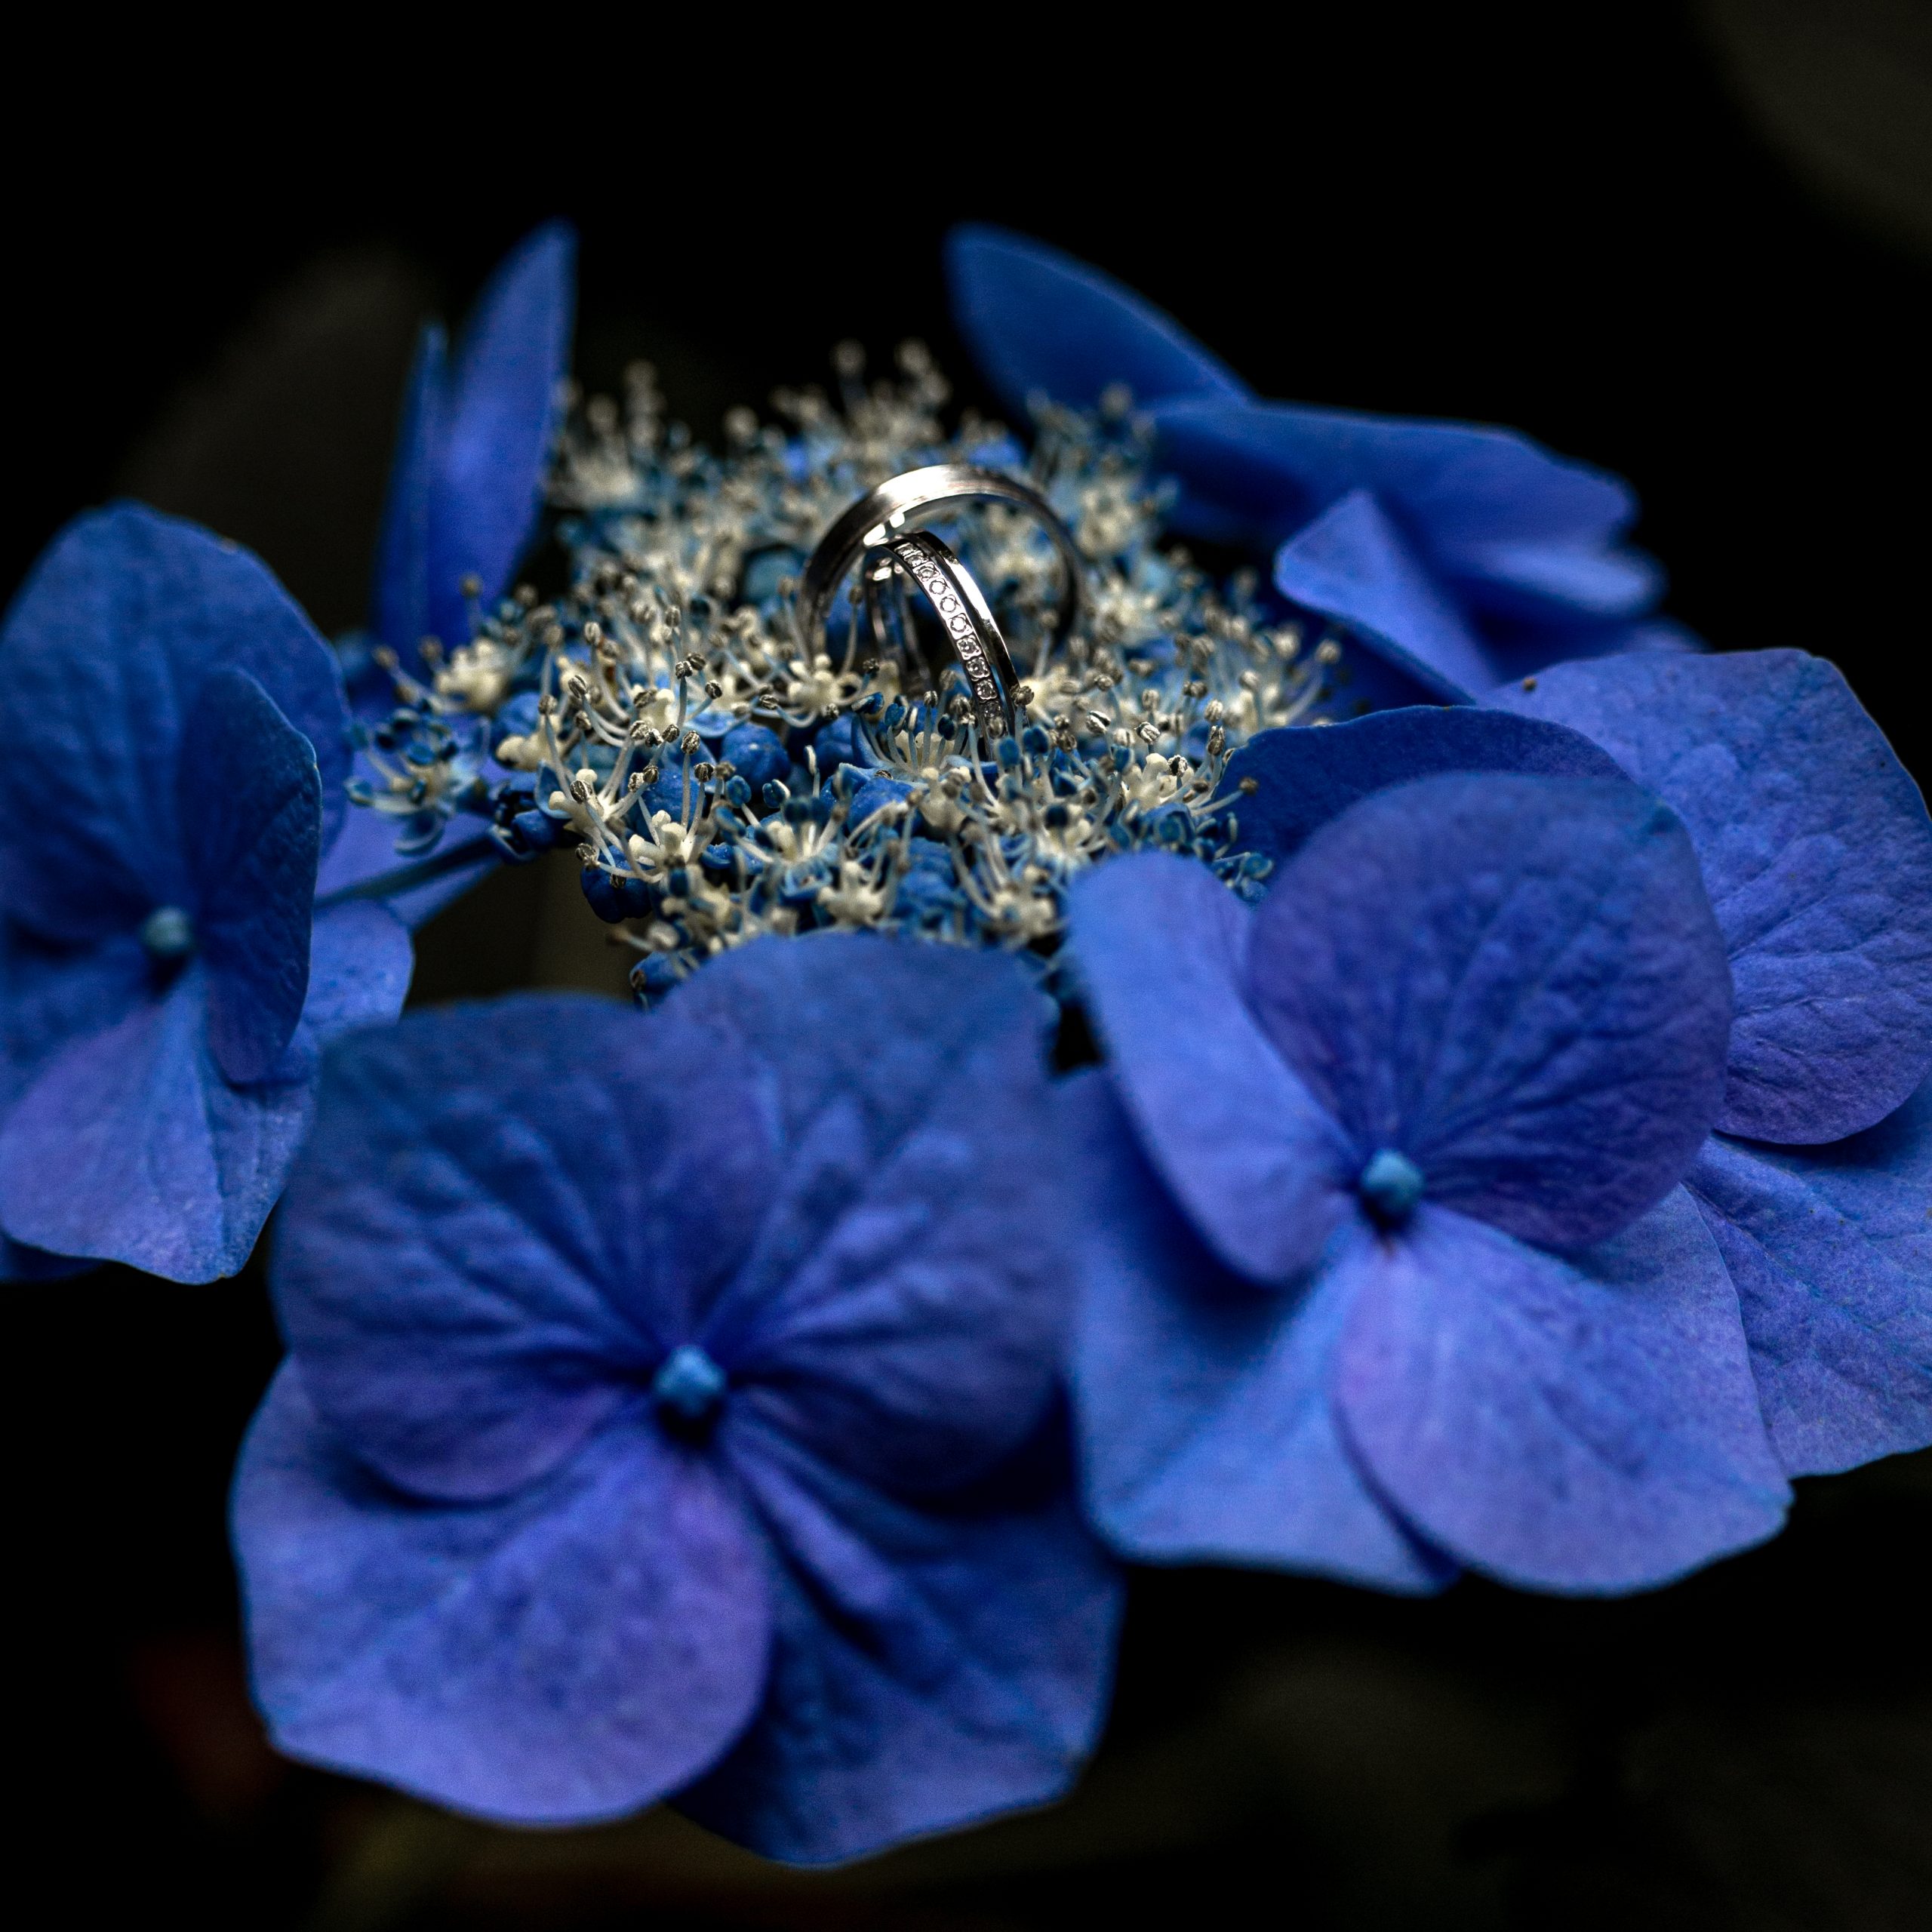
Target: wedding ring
969, 626
924, 494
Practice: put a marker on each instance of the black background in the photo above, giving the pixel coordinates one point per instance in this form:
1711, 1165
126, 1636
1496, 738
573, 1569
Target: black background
1690, 245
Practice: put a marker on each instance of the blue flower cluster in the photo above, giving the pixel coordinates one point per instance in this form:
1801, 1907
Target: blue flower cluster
1526, 1168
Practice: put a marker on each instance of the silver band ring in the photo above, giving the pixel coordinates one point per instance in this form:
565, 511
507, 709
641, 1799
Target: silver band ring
969, 624
926, 493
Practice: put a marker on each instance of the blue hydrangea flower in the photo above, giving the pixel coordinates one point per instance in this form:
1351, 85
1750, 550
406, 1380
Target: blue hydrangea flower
177, 740
1463, 555
1817, 849
466, 493
1391, 1271
671, 1409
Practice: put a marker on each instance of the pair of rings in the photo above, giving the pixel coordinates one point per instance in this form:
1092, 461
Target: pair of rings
880, 534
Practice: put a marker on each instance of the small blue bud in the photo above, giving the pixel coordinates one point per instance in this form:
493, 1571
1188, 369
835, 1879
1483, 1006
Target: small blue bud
167, 933
1007, 752
1390, 1186
689, 1388
538, 830
738, 791
757, 754
1034, 742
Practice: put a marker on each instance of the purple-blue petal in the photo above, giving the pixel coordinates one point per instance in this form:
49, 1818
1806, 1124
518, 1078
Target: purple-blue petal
1587, 1424
101, 658
1352, 563
400, 609
1207, 1430
930, 1666
1817, 852
487, 478
1160, 946
365, 854
1831, 1250
502, 1223
249, 798
905, 1301
130, 1145
1514, 981
1041, 323
570, 1654
1305, 775
127, 1144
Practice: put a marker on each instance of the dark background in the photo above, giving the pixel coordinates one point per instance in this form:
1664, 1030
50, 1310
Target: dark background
1693, 245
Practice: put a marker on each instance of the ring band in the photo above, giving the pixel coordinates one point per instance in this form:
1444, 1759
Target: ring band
971, 627
927, 493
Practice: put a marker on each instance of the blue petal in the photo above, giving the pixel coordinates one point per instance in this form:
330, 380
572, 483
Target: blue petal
1589, 1424
1039, 322
570, 1655
128, 1145
1817, 852
1207, 1433
1161, 947
1515, 981
1305, 775
931, 1667
102, 655
131, 1146
401, 604
494, 1235
486, 486
906, 1302
1462, 488
250, 800
366, 852
1831, 1250
359, 962
1352, 563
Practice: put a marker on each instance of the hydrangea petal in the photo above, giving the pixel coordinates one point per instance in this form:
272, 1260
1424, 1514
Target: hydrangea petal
1161, 948
1353, 565
931, 1667
249, 798
1831, 1251
1305, 775
500, 413
102, 655
131, 1146
492, 1241
365, 853
1587, 1424
400, 604
1040, 323
905, 1301
1515, 981
1468, 486
128, 1145
567, 1655
1817, 852
1207, 1433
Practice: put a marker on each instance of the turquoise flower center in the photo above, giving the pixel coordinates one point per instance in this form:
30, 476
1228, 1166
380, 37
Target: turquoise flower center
168, 933
1390, 1186
688, 1388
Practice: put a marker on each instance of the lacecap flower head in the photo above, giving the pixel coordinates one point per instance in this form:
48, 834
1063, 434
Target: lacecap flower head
1461, 554
671, 1409
176, 742
1392, 1272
